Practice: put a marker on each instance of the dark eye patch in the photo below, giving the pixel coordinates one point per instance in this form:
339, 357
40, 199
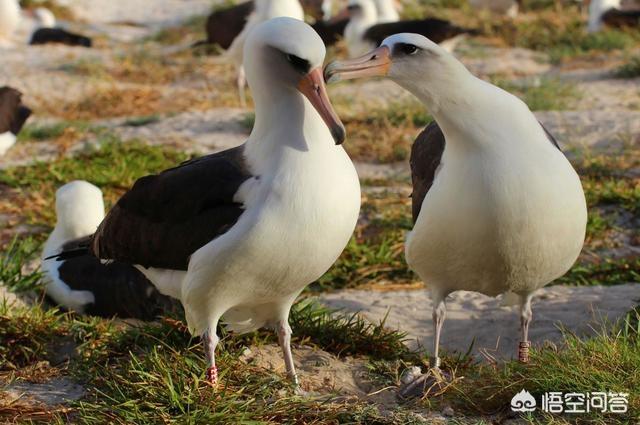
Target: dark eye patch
404, 49
301, 65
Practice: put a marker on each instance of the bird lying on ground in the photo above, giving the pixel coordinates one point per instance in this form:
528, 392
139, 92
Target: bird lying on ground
85, 284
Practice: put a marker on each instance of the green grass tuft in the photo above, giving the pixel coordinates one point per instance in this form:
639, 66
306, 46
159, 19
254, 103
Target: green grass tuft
631, 69
544, 94
12, 264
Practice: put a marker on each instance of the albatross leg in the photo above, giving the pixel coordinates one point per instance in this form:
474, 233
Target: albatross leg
439, 313
241, 82
211, 340
525, 319
284, 338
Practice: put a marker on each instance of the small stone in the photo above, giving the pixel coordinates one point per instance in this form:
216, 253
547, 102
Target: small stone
410, 374
448, 411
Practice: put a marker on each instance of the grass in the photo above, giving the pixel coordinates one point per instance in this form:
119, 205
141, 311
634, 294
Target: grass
191, 29
154, 372
40, 132
602, 363
605, 272
112, 165
12, 264
631, 69
383, 134
542, 94
142, 374
375, 254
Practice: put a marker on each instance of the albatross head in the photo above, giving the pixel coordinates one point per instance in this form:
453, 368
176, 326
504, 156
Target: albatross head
412, 61
285, 55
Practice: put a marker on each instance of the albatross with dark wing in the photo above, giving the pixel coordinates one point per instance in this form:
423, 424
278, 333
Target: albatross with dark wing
613, 14
365, 31
497, 206
85, 284
49, 32
264, 10
223, 25
237, 235
13, 115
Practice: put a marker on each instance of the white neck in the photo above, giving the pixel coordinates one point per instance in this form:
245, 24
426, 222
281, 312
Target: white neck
285, 122
9, 17
386, 11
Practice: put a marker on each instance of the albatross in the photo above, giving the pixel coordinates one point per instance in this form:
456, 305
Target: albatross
9, 20
49, 32
366, 30
13, 115
497, 207
264, 10
613, 14
85, 284
237, 235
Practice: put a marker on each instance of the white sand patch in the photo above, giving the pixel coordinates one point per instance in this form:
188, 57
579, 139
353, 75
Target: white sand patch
581, 310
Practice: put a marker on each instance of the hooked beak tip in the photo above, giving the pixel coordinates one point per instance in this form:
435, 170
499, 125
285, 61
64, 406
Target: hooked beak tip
339, 134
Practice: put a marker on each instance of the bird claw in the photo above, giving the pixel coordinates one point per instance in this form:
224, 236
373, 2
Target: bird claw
425, 385
212, 376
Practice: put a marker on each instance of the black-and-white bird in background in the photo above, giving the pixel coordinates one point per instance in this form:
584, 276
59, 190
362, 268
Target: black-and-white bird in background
613, 14
225, 24
498, 208
237, 235
84, 283
13, 115
48, 32
366, 31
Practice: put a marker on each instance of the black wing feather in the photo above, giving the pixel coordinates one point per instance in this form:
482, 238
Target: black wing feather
13, 114
59, 36
119, 290
164, 218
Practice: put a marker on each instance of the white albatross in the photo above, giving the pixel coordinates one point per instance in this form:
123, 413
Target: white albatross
9, 20
497, 206
264, 10
237, 235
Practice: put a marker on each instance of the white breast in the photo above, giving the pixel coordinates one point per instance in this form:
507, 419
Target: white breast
507, 216
9, 18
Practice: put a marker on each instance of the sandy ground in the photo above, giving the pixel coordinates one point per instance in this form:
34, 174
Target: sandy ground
493, 330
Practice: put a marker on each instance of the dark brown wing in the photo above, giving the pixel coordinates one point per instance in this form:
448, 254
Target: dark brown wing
621, 18
164, 218
426, 154
119, 290
13, 113
436, 30
59, 36
223, 26
332, 30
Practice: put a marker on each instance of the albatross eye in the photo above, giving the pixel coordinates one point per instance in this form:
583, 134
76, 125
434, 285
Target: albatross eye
406, 48
301, 65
